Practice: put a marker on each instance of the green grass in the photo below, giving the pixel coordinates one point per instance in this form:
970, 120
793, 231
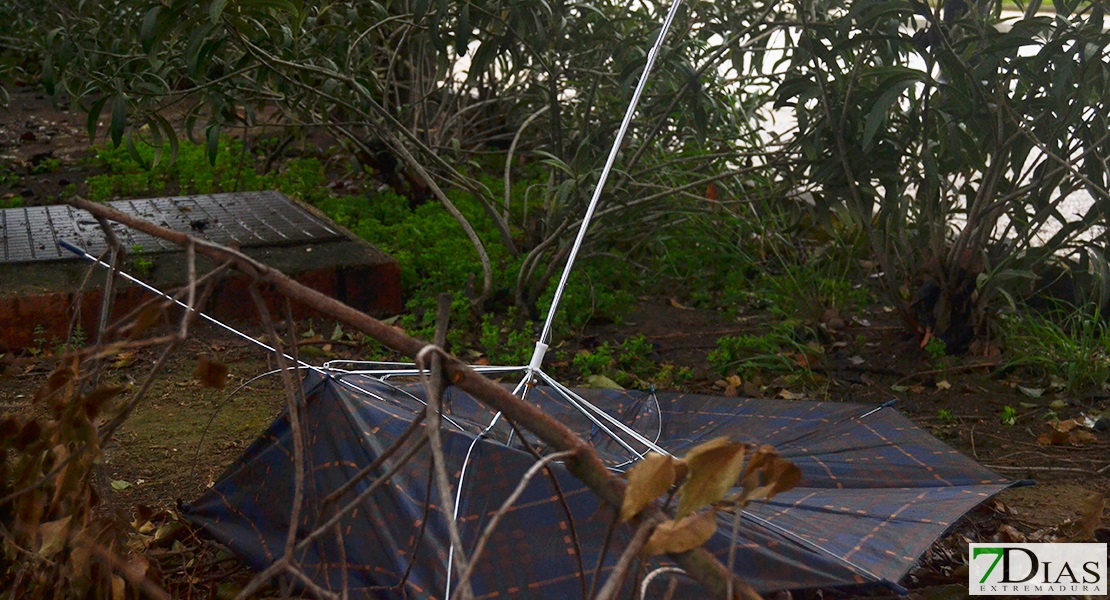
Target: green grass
1070, 346
629, 364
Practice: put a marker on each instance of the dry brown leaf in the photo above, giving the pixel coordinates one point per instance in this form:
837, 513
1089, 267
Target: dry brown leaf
119, 588
786, 394
96, 399
767, 475
682, 535
147, 318
1053, 438
54, 535
711, 192
1009, 535
211, 373
714, 468
1090, 517
1082, 436
647, 480
1066, 426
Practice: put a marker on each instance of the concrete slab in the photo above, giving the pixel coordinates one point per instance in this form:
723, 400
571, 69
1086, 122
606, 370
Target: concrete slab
44, 289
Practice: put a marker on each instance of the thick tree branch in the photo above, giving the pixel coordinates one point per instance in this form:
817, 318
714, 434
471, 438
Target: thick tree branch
583, 464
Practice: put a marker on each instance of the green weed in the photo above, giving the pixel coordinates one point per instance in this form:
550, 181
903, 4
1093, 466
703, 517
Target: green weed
49, 165
1071, 345
629, 364
936, 349
503, 343
750, 355
140, 262
1009, 415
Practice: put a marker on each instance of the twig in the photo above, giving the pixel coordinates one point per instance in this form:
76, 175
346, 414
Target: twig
971, 438
256, 584
1034, 468
294, 422
433, 389
139, 580
572, 530
955, 369
612, 585
612, 529
377, 462
487, 533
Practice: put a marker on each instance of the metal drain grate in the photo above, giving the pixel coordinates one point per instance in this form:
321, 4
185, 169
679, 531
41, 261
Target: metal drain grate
245, 219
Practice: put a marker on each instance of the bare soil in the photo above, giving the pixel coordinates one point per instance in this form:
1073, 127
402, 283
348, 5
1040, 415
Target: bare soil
178, 441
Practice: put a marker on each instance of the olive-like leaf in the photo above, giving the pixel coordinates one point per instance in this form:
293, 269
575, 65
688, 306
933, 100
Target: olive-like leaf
147, 29
714, 468
647, 480
212, 137
119, 119
683, 534
94, 117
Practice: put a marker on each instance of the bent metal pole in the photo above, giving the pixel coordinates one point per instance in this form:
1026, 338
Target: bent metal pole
545, 336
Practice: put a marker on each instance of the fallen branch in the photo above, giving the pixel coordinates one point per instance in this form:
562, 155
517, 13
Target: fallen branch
584, 464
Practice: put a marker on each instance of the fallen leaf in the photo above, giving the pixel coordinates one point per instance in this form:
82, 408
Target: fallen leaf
647, 480
944, 385
603, 382
123, 359
734, 384
682, 535
1066, 425
337, 333
675, 303
1007, 534
1082, 436
54, 534
1090, 517
119, 485
1053, 438
789, 395
714, 468
211, 373
1031, 392
899, 388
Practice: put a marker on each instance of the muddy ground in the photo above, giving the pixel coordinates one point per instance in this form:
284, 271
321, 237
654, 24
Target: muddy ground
181, 438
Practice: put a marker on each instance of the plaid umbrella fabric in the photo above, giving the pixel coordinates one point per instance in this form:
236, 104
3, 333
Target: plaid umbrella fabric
876, 492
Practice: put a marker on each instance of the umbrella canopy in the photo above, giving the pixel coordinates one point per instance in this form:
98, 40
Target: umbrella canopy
876, 492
